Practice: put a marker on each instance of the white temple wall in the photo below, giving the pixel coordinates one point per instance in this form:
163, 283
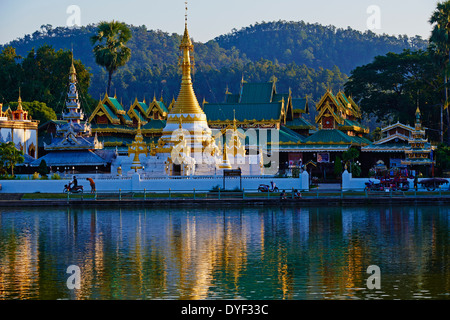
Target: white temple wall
24, 136
150, 184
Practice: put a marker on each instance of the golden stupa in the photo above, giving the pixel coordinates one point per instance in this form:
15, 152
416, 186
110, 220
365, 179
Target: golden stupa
188, 120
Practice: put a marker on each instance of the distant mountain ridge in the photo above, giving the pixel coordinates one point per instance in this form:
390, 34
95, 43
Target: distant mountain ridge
315, 45
308, 58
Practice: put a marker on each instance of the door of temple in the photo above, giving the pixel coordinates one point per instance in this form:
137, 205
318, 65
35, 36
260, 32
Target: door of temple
176, 170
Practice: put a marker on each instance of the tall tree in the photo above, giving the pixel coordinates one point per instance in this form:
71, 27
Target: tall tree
9, 157
37, 110
43, 75
440, 47
392, 85
110, 48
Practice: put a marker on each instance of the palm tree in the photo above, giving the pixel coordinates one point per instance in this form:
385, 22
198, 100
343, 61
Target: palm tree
109, 46
440, 47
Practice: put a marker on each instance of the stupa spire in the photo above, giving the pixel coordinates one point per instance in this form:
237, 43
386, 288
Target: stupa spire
187, 102
19, 107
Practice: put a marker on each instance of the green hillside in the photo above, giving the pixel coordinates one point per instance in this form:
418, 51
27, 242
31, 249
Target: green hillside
315, 45
307, 58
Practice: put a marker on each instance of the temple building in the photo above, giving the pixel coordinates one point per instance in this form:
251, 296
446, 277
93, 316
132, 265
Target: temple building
390, 148
73, 146
273, 117
400, 146
16, 126
338, 122
419, 152
116, 128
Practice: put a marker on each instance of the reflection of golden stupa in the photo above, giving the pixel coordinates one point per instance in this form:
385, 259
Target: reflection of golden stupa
186, 118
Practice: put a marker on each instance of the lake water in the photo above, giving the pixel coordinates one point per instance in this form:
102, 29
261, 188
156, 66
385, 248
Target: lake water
226, 253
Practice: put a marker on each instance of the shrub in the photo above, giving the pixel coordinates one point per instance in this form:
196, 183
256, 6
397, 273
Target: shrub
295, 172
43, 169
215, 189
56, 176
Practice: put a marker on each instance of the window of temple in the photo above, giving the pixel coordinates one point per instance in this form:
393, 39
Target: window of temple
32, 150
328, 123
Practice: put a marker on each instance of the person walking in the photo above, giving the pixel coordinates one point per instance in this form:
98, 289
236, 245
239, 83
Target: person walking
92, 183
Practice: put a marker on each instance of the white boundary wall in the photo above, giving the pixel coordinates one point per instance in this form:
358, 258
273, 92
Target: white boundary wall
350, 183
136, 183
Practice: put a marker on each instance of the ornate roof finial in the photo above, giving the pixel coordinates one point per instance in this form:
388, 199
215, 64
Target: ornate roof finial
187, 101
186, 13
19, 107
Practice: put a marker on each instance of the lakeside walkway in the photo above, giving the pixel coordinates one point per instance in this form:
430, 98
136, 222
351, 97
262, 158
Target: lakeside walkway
330, 197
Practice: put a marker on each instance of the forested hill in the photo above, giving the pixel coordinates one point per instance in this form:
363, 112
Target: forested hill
308, 58
315, 45
149, 48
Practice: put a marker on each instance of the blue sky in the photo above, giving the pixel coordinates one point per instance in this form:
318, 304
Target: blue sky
210, 18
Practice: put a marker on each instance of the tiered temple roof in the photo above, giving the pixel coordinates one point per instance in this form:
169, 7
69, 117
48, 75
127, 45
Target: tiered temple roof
419, 150
116, 127
73, 143
338, 119
258, 105
395, 138
340, 112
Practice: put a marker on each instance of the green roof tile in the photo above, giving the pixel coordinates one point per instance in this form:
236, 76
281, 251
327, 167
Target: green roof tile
300, 123
329, 136
257, 92
300, 105
110, 112
258, 112
162, 106
232, 98
154, 124
116, 103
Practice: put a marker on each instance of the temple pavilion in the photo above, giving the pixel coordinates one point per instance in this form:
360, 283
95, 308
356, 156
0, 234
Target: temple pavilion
73, 147
338, 121
16, 126
116, 127
419, 152
272, 116
400, 146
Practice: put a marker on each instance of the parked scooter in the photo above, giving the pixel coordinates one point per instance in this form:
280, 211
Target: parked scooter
372, 186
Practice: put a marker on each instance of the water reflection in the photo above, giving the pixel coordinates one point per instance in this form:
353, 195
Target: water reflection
245, 253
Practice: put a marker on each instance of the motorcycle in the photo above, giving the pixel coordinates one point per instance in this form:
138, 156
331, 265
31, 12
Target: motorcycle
267, 188
68, 188
372, 186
